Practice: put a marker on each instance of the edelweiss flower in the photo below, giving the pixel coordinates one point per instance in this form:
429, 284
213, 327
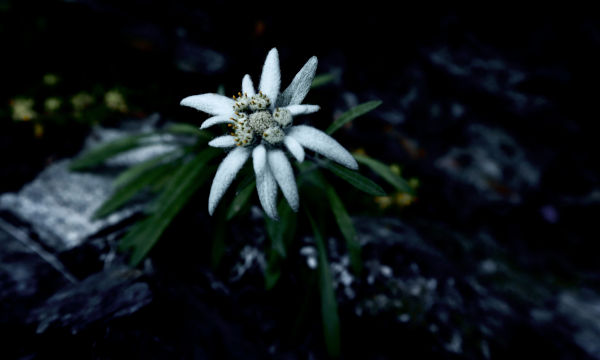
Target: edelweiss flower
261, 127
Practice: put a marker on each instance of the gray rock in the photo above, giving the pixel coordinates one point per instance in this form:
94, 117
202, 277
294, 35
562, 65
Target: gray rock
111, 294
493, 163
27, 274
59, 204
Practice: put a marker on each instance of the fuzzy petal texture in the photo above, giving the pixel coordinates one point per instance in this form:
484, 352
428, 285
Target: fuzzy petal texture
270, 79
294, 147
282, 170
213, 104
224, 141
220, 119
302, 109
266, 186
321, 143
259, 159
248, 86
300, 85
225, 174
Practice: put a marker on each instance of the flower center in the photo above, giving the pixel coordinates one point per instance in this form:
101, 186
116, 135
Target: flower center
253, 121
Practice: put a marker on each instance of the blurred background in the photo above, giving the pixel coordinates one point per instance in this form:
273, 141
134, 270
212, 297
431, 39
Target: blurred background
490, 114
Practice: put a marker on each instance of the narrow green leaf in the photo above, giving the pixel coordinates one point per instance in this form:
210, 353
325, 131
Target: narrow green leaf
273, 270
354, 178
185, 181
347, 229
101, 153
281, 233
218, 246
138, 170
386, 173
125, 193
352, 114
187, 129
240, 200
329, 310
321, 80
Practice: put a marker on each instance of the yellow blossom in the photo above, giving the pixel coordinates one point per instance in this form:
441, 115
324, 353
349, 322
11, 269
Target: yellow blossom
114, 100
50, 79
82, 100
22, 109
52, 104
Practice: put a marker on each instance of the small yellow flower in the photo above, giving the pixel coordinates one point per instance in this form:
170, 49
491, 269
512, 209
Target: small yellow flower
403, 199
38, 130
82, 100
52, 104
360, 151
50, 79
22, 109
384, 202
114, 100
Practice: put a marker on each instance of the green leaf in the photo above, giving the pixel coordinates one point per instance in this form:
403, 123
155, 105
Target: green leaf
273, 270
386, 173
126, 192
185, 181
329, 310
187, 129
347, 229
240, 200
321, 80
354, 178
138, 170
103, 152
281, 233
352, 114
218, 245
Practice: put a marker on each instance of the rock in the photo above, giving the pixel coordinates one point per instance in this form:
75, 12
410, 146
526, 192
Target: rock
28, 274
105, 296
493, 164
59, 204
198, 59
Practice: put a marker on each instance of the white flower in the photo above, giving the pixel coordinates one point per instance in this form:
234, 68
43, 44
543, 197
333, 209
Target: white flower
261, 125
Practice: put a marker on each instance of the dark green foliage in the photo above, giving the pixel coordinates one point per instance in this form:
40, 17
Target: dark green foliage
322, 80
329, 310
352, 114
102, 153
185, 181
386, 173
354, 178
347, 229
240, 200
281, 233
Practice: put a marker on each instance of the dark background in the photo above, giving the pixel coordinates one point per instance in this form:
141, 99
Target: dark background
512, 87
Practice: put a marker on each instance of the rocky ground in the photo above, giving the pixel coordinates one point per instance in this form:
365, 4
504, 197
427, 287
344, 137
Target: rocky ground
496, 258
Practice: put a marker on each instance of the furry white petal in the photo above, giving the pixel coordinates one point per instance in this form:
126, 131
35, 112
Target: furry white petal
219, 119
300, 85
282, 170
266, 185
213, 104
294, 147
270, 79
259, 159
224, 141
248, 86
225, 174
319, 142
302, 109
